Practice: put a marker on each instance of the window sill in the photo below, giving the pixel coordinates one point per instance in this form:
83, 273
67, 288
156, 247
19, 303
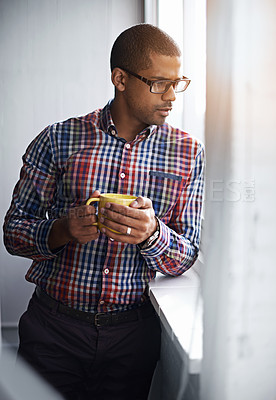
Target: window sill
177, 300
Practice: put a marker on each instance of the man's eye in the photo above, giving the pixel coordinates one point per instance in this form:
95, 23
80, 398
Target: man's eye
160, 84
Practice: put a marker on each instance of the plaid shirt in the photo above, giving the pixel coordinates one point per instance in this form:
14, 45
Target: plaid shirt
68, 161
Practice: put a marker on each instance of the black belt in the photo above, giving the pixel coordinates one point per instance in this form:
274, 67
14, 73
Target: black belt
98, 319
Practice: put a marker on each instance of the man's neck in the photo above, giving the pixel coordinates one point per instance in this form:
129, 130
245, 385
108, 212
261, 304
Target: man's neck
127, 127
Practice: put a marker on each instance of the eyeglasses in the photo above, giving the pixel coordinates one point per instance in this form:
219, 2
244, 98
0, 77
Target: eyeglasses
162, 86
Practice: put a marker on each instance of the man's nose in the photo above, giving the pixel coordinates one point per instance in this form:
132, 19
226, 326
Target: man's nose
169, 95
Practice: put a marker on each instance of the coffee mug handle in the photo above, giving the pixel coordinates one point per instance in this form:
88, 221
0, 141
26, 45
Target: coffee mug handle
91, 200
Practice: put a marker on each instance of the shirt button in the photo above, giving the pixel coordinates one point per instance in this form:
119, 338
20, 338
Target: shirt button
106, 271
122, 175
102, 302
113, 132
128, 146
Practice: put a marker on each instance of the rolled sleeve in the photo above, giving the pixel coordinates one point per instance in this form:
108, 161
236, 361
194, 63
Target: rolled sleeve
177, 246
26, 226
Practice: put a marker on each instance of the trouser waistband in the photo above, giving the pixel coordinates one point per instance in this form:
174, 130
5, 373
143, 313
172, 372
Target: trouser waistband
97, 319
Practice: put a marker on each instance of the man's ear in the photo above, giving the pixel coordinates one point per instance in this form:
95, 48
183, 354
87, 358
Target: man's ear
118, 78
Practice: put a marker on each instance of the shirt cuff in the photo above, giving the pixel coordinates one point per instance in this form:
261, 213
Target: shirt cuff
160, 244
42, 236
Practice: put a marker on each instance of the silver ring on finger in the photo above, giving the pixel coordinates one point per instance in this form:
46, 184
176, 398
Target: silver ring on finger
128, 232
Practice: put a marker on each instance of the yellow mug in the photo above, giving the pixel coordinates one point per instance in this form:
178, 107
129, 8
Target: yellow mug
104, 198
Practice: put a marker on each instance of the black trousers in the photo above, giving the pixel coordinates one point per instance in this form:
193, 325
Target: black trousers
82, 361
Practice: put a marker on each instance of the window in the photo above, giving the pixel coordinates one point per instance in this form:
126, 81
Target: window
185, 21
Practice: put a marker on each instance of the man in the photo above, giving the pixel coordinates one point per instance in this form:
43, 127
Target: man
90, 329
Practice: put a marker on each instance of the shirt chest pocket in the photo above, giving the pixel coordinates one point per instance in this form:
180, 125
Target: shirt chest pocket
164, 190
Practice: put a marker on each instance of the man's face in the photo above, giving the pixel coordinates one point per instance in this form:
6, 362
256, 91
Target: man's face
150, 108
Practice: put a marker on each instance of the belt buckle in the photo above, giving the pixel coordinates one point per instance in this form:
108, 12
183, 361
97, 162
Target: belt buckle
96, 319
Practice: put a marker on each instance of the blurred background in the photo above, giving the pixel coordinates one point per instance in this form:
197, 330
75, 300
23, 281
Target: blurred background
54, 64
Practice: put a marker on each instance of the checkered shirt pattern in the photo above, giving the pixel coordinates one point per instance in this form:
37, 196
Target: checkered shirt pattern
63, 166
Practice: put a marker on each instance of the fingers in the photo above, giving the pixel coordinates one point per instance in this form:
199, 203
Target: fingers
84, 235
131, 224
80, 222
133, 237
120, 232
141, 202
135, 210
137, 220
124, 217
126, 230
81, 211
95, 194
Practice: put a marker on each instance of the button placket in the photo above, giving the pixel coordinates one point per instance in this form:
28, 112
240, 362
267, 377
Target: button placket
123, 171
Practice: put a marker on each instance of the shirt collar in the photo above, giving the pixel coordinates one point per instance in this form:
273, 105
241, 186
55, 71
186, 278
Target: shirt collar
107, 124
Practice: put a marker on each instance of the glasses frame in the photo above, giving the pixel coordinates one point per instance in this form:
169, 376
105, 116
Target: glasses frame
150, 83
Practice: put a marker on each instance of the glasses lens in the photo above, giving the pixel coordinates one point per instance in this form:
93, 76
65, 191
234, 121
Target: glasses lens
160, 86
163, 86
180, 86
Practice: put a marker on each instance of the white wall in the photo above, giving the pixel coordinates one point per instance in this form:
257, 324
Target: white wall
54, 64
239, 277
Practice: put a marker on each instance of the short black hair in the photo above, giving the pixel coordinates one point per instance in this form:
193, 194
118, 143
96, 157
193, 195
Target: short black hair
133, 47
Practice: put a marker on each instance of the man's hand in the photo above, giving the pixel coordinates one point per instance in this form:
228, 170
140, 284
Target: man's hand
77, 226
135, 223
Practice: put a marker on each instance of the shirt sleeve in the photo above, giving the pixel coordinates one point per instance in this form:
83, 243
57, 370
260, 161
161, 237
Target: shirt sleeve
177, 246
26, 227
